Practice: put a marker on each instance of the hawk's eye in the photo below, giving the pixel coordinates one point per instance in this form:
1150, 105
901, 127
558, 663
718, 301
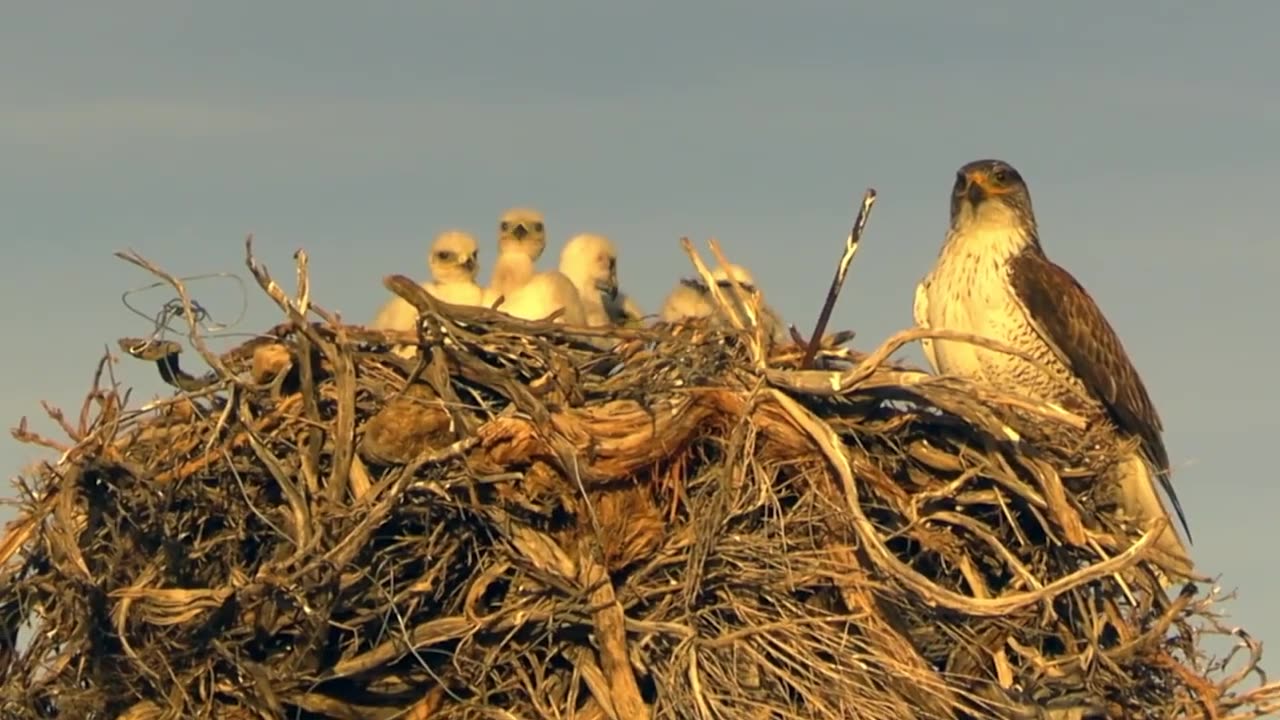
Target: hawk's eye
537, 227
1001, 176
504, 226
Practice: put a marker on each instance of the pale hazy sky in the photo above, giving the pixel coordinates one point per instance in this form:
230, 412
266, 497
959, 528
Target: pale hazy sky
1147, 133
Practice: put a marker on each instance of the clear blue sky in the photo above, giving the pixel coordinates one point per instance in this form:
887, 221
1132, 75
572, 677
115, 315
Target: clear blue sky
1147, 133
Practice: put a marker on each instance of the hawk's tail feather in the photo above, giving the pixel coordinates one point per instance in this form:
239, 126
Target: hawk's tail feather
1167, 484
1141, 502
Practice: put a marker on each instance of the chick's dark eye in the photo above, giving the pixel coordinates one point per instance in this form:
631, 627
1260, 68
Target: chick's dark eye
504, 226
537, 227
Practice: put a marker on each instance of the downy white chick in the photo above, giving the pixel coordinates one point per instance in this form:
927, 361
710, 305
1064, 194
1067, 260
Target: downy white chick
591, 262
452, 261
525, 293
692, 298
522, 238
544, 294
454, 264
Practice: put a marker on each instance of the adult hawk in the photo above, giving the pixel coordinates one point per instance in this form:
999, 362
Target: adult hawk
993, 279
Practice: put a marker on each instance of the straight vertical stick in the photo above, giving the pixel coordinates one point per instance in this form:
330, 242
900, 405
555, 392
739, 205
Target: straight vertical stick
842, 270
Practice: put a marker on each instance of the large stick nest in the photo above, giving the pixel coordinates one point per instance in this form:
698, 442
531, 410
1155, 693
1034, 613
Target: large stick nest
519, 524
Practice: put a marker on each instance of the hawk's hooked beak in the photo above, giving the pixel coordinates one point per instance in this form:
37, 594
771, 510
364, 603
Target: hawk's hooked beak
976, 193
974, 189
519, 231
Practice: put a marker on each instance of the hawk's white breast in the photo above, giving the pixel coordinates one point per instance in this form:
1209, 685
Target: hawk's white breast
969, 291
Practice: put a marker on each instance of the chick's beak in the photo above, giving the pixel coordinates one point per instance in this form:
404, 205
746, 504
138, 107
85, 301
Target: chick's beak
469, 262
519, 231
609, 285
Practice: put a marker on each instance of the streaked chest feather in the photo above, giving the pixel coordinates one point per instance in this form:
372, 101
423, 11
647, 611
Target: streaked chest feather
969, 291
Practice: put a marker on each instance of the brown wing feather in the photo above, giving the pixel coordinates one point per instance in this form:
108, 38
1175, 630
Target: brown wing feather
695, 284
1068, 319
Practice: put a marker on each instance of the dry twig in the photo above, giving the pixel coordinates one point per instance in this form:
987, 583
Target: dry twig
502, 529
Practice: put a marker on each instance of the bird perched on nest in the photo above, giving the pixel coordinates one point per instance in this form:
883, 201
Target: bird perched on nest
453, 263
992, 278
591, 262
524, 292
692, 299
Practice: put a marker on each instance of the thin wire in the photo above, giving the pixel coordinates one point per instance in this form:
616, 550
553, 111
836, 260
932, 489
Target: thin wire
173, 310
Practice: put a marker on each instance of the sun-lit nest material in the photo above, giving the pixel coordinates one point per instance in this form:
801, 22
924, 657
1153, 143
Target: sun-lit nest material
524, 525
